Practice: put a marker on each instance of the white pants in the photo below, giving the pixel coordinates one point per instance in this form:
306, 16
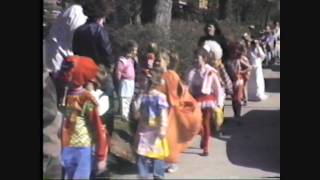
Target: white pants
126, 94
125, 106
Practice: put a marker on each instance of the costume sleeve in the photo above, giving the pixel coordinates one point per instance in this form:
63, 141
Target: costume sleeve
102, 135
217, 89
163, 104
137, 103
253, 58
190, 77
262, 54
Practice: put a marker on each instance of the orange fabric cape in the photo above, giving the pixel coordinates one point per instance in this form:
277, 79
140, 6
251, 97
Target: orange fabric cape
185, 116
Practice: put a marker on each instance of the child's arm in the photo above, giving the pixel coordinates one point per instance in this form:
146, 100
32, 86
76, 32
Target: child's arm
164, 122
163, 116
217, 89
101, 132
119, 69
244, 61
190, 79
136, 107
262, 54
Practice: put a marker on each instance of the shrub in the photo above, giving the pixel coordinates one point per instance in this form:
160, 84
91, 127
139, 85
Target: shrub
182, 39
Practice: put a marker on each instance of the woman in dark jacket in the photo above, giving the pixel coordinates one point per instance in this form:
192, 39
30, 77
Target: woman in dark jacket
213, 32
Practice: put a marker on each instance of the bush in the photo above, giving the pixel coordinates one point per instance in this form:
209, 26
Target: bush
183, 38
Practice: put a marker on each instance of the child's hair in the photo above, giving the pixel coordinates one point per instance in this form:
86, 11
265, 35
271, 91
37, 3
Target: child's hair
174, 61
155, 78
129, 46
202, 52
163, 54
237, 50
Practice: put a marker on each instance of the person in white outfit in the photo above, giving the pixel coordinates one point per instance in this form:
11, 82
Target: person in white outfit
59, 39
256, 85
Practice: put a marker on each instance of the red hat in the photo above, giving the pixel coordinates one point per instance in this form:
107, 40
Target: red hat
84, 70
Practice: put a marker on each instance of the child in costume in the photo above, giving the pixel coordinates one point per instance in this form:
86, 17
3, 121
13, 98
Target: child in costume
83, 129
152, 146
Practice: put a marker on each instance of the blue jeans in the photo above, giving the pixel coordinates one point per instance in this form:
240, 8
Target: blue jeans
77, 162
149, 167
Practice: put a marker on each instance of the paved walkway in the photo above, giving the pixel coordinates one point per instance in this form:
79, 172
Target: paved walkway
252, 151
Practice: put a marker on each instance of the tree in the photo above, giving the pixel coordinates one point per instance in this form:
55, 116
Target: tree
163, 15
147, 14
225, 9
127, 12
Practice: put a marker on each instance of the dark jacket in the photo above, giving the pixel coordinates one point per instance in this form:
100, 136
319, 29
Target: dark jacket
92, 40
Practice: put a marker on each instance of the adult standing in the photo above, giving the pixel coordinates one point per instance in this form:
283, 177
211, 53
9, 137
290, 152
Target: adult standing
91, 39
256, 85
269, 43
213, 32
61, 33
276, 31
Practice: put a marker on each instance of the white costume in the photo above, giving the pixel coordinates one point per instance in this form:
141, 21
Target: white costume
256, 86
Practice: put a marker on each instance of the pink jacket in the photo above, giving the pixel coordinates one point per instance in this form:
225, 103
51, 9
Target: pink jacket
211, 83
125, 69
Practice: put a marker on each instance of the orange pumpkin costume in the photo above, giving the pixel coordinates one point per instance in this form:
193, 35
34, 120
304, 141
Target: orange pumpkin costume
185, 115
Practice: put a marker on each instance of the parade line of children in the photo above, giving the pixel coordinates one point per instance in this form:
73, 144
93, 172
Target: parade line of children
169, 112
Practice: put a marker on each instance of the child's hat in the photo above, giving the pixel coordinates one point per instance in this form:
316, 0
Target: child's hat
83, 69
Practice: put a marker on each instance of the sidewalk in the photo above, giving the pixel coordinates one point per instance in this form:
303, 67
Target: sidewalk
253, 151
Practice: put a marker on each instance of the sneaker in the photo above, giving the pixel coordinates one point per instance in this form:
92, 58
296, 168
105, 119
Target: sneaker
172, 168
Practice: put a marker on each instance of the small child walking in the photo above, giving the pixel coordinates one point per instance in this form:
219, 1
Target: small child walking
152, 147
125, 74
205, 86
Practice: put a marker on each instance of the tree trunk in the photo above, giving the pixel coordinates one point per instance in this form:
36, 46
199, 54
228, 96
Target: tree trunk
136, 8
163, 10
225, 9
136, 19
267, 15
147, 14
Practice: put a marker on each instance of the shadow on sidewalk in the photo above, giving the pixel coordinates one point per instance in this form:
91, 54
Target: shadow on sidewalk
275, 68
256, 143
272, 85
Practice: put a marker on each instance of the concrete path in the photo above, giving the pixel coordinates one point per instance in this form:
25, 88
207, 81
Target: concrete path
251, 152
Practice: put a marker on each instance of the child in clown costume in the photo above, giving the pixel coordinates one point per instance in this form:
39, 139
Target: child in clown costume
82, 127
